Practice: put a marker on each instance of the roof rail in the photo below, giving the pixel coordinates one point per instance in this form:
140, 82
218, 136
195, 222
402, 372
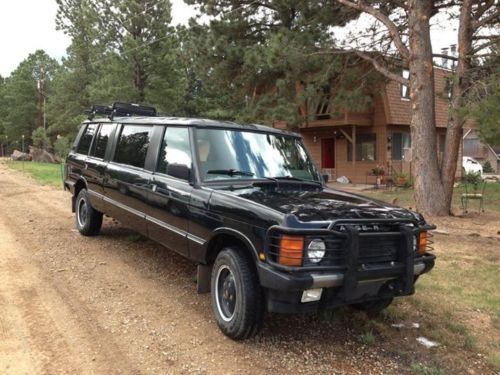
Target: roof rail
121, 109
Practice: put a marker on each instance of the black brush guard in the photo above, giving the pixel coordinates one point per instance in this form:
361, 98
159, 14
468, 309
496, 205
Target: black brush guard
401, 269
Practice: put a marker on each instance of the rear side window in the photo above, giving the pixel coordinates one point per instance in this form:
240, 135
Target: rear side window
101, 141
86, 139
133, 145
175, 153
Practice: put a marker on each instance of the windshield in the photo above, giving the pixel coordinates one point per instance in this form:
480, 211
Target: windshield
235, 154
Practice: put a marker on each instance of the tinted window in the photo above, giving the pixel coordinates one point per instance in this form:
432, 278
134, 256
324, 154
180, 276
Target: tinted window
86, 139
101, 141
133, 144
175, 152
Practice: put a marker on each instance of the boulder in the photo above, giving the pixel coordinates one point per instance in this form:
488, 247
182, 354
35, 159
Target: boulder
43, 156
20, 156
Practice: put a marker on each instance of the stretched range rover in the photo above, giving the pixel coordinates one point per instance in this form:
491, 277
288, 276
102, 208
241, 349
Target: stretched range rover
248, 206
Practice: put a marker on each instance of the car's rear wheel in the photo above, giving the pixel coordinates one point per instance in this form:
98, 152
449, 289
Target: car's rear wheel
237, 299
88, 220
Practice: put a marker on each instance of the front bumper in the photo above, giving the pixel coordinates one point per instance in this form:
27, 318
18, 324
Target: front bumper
284, 290
355, 278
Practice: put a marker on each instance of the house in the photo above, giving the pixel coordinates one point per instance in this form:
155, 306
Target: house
352, 144
482, 152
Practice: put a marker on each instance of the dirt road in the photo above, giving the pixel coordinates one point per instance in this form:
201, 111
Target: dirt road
118, 303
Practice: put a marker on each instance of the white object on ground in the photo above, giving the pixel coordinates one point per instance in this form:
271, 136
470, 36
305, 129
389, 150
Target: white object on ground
426, 342
343, 180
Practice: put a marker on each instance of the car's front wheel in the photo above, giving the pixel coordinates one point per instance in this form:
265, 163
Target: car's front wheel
88, 220
237, 298
374, 308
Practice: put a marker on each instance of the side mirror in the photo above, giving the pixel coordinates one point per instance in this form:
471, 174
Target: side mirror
325, 178
180, 171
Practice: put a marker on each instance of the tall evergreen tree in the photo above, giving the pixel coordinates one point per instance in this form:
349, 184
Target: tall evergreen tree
24, 92
78, 19
252, 55
142, 49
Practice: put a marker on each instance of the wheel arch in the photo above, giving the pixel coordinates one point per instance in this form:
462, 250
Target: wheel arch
224, 237
80, 184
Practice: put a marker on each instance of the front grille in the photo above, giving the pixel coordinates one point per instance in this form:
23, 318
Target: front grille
379, 249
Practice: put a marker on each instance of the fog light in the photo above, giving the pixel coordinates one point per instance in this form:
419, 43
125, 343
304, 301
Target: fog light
311, 295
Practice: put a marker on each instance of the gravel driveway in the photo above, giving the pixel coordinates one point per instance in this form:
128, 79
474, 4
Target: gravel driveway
118, 303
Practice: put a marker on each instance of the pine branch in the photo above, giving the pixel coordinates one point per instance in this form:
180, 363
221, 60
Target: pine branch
391, 27
477, 24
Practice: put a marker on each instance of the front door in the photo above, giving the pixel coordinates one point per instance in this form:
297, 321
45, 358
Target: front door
171, 191
328, 153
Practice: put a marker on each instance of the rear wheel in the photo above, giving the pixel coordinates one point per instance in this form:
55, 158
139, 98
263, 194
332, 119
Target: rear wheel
88, 220
237, 299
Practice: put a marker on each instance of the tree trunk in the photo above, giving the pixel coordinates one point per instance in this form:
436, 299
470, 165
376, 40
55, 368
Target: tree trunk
460, 85
429, 191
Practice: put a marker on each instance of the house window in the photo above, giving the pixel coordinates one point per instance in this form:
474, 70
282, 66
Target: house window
405, 90
366, 145
400, 143
449, 88
471, 146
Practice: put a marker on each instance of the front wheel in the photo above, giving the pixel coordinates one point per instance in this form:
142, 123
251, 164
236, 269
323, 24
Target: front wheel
237, 299
374, 308
88, 220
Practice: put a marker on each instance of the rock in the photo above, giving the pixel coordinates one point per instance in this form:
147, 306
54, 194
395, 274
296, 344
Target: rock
43, 156
20, 156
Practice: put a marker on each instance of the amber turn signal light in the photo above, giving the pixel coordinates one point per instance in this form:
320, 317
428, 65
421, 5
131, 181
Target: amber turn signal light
422, 243
291, 250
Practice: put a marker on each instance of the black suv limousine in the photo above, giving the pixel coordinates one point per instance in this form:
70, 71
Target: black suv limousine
247, 204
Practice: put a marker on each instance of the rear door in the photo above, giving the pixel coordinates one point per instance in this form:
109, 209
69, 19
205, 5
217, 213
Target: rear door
171, 190
126, 181
95, 164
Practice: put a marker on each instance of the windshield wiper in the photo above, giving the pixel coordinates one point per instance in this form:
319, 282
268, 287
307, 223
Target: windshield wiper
291, 178
230, 172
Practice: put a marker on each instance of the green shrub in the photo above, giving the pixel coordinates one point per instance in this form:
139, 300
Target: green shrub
487, 168
40, 138
62, 147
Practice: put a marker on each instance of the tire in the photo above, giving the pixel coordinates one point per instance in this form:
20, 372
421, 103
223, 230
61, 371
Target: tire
88, 220
237, 298
374, 308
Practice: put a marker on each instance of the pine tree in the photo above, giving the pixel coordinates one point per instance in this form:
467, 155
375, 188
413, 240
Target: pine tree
252, 56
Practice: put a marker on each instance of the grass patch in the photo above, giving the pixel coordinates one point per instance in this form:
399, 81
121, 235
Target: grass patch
44, 173
404, 197
494, 361
367, 338
421, 369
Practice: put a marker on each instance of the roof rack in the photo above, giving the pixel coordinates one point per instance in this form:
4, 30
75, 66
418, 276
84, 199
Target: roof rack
121, 109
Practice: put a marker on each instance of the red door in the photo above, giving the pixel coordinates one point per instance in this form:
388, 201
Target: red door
328, 153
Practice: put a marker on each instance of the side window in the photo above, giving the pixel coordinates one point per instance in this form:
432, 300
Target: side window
133, 145
101, 141
175, 153
86, 139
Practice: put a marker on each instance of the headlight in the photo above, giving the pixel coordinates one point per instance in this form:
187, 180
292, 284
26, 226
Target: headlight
316, 250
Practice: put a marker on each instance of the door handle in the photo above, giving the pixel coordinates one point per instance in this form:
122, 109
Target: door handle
154, 187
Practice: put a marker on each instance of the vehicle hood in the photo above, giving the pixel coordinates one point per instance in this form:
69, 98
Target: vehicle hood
322, 204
